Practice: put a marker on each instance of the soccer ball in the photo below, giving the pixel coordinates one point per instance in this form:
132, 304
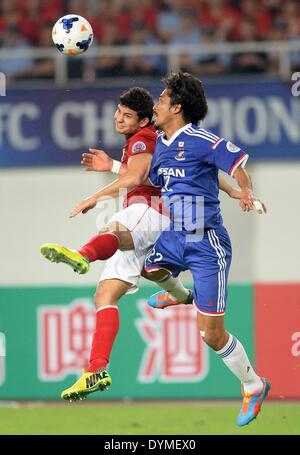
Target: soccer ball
72, 34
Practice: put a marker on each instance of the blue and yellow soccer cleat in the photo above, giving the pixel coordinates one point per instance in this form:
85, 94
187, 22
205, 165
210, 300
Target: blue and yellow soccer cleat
57, 253
252, 404
163, 299
86, 384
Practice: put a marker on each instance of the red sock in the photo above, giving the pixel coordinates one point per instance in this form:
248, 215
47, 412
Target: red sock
107, 327
101, 246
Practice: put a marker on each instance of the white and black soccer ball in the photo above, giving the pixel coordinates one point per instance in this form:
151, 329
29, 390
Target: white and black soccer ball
72, 34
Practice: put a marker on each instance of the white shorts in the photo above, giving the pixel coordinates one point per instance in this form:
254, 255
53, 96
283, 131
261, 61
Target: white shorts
145, 225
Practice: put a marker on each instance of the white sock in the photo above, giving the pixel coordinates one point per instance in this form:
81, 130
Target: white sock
235, 358
175, 288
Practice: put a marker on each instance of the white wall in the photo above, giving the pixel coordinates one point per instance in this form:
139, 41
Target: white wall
277, 236
35, 204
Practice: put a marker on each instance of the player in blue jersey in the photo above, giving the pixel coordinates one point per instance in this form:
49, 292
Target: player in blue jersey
185, 165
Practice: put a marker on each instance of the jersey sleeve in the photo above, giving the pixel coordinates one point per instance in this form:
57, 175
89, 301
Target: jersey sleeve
141, 143
228, 156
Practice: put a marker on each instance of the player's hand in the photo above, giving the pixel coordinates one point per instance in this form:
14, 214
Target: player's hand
246, 200
249, 204
245, 206
84, 206
96, 160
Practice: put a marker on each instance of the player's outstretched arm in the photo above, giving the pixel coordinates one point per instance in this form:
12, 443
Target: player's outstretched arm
99, 161
137, 173
247, 200
227, 188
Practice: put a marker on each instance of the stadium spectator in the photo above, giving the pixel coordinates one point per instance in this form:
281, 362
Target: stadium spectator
105, 13
107, 66
42, 68
257, 12
286, 26
50, 10
290, 14
10, 16
165, 22
8, 6
249, 62
209, 63
219, 14
161, 17
188, 35
122, 20
78, 7
169, 19
30, 24
12, 67
279, 32
145, 12
150, 65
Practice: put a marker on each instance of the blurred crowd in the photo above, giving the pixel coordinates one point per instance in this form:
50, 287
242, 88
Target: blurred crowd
28, 24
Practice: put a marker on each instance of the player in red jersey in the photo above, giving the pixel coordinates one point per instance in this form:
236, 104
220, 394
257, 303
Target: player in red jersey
126, 239
124, 242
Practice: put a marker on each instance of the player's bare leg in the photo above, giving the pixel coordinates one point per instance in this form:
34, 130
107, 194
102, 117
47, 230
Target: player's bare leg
97, 378
231, 351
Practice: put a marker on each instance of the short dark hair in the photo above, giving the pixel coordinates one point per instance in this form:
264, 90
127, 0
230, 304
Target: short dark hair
188, 91
140, 101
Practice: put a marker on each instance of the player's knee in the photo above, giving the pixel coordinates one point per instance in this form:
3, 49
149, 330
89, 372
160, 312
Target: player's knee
104, 296
125, 240
122, 233
156, 275
98, 297
213, 338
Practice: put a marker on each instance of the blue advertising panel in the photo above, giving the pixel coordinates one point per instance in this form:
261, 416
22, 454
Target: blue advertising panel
51, 127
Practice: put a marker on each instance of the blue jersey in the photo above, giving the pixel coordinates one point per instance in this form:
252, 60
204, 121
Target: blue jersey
186, 167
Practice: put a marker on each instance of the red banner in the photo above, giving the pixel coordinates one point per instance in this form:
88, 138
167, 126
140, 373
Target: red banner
277, 337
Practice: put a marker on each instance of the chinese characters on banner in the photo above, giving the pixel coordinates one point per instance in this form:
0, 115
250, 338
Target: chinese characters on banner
173, 349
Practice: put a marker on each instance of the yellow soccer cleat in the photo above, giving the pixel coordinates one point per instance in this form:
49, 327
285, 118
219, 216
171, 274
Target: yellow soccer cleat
57, 253
87, 383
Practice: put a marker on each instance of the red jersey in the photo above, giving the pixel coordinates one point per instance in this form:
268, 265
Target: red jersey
143, 141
